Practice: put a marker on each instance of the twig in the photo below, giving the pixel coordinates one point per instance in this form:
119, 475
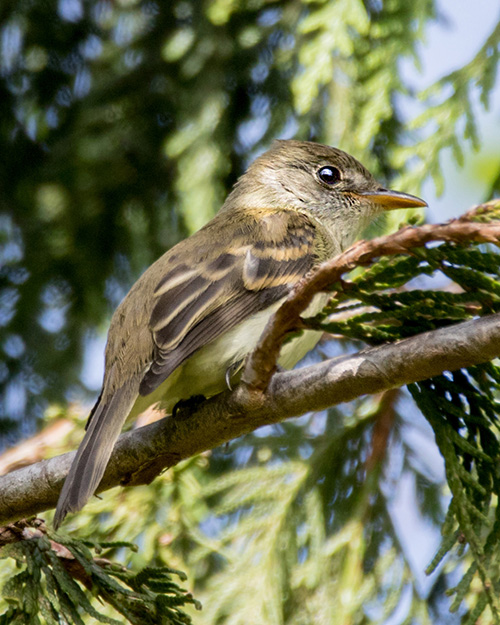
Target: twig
261, 364
386, 415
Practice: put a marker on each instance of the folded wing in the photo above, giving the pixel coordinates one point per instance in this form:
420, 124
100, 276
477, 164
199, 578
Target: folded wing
196, 304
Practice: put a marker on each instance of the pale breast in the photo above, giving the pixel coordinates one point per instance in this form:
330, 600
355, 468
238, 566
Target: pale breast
204, 373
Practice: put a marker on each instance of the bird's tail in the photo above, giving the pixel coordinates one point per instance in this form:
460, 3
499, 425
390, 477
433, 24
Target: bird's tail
95, 449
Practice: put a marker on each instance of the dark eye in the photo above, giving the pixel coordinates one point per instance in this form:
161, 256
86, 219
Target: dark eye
329, 175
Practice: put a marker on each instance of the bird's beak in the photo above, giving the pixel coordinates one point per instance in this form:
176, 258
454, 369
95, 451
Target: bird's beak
388, 200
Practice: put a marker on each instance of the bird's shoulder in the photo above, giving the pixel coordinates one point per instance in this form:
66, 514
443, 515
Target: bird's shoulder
237, 250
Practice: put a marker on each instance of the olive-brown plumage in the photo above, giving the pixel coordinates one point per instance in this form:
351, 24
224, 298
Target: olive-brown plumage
200, 308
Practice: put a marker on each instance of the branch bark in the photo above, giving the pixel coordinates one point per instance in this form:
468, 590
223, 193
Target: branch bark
143, 453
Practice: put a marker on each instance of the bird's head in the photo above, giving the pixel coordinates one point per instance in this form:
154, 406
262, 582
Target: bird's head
328, 183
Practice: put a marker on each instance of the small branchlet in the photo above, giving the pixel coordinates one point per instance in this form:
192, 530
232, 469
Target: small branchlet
470, 228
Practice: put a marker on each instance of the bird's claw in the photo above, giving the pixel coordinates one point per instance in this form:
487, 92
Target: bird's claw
230, 371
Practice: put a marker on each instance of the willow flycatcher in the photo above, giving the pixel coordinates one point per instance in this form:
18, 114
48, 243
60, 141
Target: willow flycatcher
187, 324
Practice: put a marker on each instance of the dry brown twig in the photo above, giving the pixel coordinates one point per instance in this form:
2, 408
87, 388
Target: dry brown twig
261, 364
30, 529
36, 447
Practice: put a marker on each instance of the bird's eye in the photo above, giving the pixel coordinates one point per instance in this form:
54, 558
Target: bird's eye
329, 175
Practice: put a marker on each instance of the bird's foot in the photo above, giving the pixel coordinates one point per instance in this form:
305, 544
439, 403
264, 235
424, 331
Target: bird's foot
231, 370
184, 408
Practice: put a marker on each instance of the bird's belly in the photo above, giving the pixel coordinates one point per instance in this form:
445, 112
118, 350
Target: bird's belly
204, 373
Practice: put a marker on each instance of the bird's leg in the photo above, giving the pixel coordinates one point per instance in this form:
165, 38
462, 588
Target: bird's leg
185, 407
231, 370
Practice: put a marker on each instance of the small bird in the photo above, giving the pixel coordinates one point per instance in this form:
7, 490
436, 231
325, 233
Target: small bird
188, 322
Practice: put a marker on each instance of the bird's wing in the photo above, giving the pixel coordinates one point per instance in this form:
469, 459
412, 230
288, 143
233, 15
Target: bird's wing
197, 302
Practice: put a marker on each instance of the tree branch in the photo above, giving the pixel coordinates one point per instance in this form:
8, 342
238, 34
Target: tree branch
261, 363
141, 454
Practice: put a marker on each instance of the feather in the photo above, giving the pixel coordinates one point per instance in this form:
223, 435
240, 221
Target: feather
95, 449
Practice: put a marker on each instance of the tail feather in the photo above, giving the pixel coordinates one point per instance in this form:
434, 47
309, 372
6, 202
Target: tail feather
94, 452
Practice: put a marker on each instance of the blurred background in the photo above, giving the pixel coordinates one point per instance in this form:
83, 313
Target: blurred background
123, 125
